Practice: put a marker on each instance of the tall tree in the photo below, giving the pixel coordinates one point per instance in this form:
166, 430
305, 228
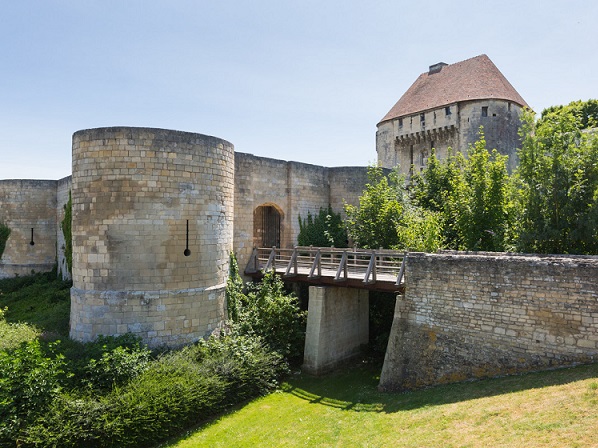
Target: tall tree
387, 218
474, 196
559, 175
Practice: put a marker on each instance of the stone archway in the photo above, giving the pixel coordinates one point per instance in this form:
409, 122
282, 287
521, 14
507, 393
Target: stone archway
267, 226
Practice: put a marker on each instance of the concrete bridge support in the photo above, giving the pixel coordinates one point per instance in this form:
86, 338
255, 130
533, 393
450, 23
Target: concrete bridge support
337, 327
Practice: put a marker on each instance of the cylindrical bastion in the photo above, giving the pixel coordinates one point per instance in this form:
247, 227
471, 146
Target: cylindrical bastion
152, 233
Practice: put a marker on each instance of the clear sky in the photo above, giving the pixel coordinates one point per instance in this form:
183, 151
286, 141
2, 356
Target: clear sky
304, 80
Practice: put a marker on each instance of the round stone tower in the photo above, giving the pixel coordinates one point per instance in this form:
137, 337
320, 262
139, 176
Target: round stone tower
152, 232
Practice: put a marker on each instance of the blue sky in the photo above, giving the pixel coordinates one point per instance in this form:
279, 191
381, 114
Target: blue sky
304, 81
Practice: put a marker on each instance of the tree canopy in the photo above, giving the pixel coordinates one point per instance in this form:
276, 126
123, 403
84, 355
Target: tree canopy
471, 202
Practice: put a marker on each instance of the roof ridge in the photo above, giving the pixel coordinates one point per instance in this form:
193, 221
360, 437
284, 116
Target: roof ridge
475, 78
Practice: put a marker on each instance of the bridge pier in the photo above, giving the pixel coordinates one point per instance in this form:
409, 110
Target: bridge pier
337, 327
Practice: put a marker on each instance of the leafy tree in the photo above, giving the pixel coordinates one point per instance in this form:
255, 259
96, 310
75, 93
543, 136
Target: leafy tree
559, 176
323, 230
386, 217
474, 196
373, 223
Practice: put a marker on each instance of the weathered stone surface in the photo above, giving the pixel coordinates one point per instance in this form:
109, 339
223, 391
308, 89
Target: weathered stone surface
337, 327
28, 206
152, 233
466, 316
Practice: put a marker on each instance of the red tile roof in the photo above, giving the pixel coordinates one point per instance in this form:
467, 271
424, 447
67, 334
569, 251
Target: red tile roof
473, 79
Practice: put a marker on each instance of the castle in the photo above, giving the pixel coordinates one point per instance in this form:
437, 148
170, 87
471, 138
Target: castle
445, 107
155, 213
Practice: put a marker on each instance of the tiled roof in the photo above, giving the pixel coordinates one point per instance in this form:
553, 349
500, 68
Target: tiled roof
473, 79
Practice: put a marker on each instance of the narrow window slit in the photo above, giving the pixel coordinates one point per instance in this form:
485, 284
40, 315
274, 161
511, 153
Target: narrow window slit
187, 251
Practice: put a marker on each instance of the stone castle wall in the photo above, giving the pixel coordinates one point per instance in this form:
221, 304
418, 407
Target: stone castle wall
152, 233
408, 141
28, 206
292, 188
467, 316
133, 190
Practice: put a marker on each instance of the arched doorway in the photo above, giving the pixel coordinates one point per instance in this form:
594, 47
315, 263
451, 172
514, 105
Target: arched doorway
267, 228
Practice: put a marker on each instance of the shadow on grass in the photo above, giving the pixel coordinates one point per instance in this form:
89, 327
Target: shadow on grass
355, 389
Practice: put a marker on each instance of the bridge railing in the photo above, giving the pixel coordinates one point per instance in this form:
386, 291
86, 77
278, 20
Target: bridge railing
370, 266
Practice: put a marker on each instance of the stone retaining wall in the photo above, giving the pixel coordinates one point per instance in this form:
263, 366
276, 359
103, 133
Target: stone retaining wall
467, 316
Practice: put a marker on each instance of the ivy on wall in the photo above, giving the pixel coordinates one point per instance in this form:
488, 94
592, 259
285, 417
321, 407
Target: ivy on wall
4, 234
66, 226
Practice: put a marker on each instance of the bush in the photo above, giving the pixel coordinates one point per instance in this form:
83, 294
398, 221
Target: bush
120, 360
29, 382
13, 334
111, 393
177, 390
323, 230
266, 311
4, 234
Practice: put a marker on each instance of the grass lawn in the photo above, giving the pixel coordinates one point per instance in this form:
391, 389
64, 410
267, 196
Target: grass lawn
549, 409
40, 300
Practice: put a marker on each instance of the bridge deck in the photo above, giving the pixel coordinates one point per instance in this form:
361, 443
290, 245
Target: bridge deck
380, 270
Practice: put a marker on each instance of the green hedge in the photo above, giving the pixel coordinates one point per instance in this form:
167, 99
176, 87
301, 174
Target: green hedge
170, 394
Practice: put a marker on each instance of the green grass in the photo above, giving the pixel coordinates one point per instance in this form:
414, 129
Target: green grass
40, 300
344, 409
557, 408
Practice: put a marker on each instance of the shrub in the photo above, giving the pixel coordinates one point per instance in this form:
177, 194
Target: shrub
4, 234
265, 310
323, 230
13, 334
175, 391
29, 382
116, 366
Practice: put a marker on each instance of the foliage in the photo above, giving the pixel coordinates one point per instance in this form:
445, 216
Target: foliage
420, 230
266, 311
67, 230
111, 392
374, 222
326, 229
29, 382
112, 362
178, 390
386, 217
4, 234
474, 196
40, 299
14, 334
559, 175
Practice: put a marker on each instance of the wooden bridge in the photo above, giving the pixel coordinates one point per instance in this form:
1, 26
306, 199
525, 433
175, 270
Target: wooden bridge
379, 270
